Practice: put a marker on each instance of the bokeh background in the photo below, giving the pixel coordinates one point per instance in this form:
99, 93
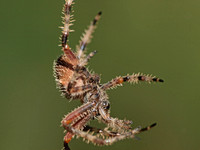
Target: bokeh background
150, 36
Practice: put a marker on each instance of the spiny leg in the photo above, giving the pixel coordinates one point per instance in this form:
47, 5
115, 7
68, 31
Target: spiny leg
115, 123
65, 64
77, 114
134, 78
108, 141
148, 127
86, 60
77, 119
78, 125
66, 21
104, 132
85, 40
66, 146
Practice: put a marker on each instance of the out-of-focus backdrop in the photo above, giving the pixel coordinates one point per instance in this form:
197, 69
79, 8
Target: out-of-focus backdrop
149, 36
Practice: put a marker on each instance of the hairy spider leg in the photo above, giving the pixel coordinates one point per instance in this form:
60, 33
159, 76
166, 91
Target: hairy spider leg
134, 78
79, 125
77, 119
66, 21
114, 123
85, 40
100, 132
108, 141
85, 61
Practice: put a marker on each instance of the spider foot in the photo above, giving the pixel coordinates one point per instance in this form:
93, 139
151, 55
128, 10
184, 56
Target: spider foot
66, 146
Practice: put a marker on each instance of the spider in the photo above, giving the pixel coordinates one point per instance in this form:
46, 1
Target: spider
76, 82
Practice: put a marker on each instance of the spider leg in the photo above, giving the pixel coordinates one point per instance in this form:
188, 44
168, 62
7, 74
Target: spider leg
115, 123
77, 119
104, 132
92, 129
66, 21
108, 141
78, 125
85, 60
134, 78
85, 40
66, 146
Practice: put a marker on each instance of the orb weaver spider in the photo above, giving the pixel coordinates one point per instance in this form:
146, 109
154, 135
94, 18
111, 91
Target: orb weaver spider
76, 82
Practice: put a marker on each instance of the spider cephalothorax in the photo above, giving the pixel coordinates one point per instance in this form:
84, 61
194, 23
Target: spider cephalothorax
76, 82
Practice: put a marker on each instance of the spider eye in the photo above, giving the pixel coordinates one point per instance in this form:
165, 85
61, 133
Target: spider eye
106, 105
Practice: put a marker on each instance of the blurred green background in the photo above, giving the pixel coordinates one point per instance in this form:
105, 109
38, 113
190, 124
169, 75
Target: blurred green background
150, 36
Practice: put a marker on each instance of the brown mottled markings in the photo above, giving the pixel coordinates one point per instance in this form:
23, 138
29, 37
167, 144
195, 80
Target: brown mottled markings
76, 82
